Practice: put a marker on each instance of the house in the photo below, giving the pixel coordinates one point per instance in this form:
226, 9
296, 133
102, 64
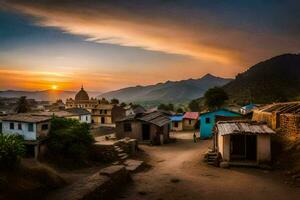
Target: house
83, 115
248, 108
189, 120
177, 122
34, 129
284, 117
208, 120
243, 142
145, 127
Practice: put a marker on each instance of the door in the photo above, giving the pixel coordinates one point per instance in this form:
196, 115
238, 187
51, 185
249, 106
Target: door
237, 147
102, 120
146, 131
251, 147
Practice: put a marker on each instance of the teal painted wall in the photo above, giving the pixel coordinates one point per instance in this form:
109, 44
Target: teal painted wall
206, 128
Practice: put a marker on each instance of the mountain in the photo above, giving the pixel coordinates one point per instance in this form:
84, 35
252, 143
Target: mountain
276, 79
45, 95
170, 91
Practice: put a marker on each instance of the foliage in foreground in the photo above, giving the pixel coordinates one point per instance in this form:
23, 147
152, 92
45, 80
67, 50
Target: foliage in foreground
69, 139
12, 148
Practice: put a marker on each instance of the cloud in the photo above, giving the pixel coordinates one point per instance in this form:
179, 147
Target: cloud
167, 26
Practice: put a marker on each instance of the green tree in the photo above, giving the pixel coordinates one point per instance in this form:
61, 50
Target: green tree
215, 98
114, 101
179, 110
68, 138
12, 148
123, 104
22, 105
167, 107
194, 106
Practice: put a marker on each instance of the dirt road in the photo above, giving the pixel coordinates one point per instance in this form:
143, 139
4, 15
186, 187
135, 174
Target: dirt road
179, 173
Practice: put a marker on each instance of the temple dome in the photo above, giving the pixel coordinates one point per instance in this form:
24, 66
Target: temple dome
82, 95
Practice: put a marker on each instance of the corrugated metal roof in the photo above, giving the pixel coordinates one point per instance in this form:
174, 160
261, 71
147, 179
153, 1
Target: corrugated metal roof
242, 127
288, 107
191, 115
176, 118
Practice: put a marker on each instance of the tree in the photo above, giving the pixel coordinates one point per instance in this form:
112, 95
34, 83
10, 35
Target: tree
123, 104
215, 98
22, 105
194, 106
169, 107
114, 101
179, 110
68, 138
104, 101
12, 148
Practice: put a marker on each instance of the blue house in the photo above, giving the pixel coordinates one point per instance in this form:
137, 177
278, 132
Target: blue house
248, 108
207, 121
177, 122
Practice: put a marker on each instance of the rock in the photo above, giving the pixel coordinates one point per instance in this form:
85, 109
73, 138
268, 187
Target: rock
133, 165
224, 165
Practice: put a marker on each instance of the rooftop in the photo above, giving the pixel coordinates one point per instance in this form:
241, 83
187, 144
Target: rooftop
287, 107
191, 115
79, 111
176, 118
60, 113
242, 127
25, 118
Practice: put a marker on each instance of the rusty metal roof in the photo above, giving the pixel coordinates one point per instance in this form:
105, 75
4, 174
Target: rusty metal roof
242, 127
287, 107
26, 118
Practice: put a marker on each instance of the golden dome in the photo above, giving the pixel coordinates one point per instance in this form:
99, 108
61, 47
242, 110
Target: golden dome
82, 95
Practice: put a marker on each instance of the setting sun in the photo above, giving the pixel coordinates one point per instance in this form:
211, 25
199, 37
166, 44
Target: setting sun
54, 87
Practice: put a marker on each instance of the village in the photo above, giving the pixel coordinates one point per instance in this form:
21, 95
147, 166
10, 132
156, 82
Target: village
200, 153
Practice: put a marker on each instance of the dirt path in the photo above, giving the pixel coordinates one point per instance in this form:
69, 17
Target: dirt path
179, 173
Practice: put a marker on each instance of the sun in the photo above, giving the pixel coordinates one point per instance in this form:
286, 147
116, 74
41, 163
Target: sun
54, 87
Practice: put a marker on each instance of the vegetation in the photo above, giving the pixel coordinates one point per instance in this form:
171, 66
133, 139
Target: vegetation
274, 80
69, 139
22, 105
104, 101
114, 101
167, 107
194, 106
215, 98
179, 110
12, 148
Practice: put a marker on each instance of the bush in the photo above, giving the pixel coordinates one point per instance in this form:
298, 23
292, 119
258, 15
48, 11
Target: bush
12, 148
69, 139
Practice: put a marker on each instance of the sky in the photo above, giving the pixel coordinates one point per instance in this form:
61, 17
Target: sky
111, 44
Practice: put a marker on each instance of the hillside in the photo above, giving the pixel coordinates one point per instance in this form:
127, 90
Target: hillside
170, 91
45, 95
276, 79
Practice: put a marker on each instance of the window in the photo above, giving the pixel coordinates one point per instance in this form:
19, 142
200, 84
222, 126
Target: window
190, 121
45, 127
105, 111
207, 120
11, 126
176, 124
127, 127
19, 126
86, 118
30, 127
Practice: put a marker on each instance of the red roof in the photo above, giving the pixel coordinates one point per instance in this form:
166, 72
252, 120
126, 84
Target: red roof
191, 115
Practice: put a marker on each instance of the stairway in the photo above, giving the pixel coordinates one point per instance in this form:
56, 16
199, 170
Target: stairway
211, 158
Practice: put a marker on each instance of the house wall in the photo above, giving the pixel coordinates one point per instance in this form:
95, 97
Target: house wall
206, 129
224, 147
290, 124
40, 132
187, 126
263, 148
179, 128
97, 119
136, 132
85, 119
117, 113
265, 117
28, 135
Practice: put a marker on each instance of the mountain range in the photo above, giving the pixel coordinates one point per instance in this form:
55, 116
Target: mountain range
275, 79
45, 95
170, 91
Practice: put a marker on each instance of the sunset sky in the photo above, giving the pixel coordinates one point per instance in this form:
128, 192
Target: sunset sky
110, 44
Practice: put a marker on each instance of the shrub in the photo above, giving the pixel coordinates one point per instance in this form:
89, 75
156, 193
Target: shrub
69, 139
12, 148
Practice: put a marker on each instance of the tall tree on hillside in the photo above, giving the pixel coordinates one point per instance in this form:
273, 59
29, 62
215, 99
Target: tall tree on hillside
114, 101
22, 105
194, 106
215, 98
179, 110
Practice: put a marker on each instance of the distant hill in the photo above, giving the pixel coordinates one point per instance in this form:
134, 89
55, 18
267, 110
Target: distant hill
276, 79
45, 95
170, 91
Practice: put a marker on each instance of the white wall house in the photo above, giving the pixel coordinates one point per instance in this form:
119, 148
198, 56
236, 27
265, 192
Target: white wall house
85, 118
30, 127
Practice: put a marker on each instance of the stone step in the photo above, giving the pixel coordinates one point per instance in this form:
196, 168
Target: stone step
120, 150
122, 154
124, 157
133, 165
211, 163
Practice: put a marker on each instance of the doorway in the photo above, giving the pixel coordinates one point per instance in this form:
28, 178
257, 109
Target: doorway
243, 147
102, 120
146, 131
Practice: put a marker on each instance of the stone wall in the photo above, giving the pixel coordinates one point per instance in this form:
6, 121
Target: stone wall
289, 124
